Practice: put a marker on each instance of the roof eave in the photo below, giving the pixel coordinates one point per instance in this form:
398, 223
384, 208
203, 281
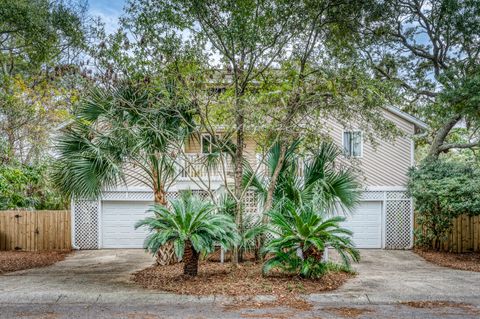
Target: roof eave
410, 118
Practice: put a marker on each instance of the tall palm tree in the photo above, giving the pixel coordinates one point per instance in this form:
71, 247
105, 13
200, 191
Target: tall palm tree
193, 226
130, 131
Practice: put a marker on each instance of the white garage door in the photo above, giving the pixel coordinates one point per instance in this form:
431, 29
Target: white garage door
118, 224
366, 223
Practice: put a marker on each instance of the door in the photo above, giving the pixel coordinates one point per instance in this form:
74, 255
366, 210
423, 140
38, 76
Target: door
118, 224
366, 223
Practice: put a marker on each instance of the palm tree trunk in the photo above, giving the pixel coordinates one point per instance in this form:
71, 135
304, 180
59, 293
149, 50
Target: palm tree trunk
314, 253
166, 253
190, 258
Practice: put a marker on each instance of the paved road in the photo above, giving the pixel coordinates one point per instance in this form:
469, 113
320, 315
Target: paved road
96, 284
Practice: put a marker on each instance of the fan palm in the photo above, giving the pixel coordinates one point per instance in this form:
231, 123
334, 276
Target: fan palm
128, 131
301, 236
193, 226
320, 182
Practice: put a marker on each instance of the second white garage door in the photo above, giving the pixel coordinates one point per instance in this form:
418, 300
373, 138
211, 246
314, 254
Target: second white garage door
366, 223
118, 224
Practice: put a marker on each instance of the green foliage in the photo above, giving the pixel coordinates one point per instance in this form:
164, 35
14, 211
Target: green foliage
24, 186
301, 236
37, 32
189, 219
429, 50
442, 191
251, 229
131, 124
321, 183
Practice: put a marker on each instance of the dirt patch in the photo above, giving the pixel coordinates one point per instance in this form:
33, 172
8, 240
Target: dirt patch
293, 303
470, 309
287, 301
20, 260
464, 261
245, 279
278, 315
348, 312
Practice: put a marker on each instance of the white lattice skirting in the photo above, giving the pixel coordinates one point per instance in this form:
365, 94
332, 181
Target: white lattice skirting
397, 215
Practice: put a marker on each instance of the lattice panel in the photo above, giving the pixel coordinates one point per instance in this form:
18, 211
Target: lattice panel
398, 224
372, 195
397, 195
86, 224
250, 203
128, 195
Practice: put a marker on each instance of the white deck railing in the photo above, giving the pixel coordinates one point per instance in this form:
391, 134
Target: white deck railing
196, 165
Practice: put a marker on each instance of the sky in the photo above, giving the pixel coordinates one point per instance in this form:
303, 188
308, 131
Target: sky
108, 10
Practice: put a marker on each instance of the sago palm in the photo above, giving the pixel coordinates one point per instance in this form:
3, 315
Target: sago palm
301, 237
193, 226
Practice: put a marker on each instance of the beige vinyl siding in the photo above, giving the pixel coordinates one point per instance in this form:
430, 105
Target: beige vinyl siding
387, 162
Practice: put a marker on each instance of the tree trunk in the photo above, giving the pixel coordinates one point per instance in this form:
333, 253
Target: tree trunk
273, 180
238, 161
269, 199
190, 258
441, 135
166, 253
314, 253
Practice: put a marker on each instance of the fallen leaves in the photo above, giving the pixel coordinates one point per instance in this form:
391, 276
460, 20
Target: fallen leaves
347, 312
464, 261
246, 279
20, 260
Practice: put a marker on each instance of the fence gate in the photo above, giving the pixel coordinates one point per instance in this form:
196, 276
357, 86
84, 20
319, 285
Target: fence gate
35, 230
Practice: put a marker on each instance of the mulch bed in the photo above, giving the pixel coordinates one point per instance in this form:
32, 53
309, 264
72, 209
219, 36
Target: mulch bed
246, 279
464, 261
20, 260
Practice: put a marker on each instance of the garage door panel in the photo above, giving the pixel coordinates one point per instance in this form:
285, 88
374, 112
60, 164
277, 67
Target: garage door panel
118, 224
365, 221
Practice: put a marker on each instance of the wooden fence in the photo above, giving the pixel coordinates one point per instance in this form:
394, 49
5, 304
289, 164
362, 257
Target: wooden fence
464, 235
35, 230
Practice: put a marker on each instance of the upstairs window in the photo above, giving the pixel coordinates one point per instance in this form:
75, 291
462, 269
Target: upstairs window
208, 143
352, 143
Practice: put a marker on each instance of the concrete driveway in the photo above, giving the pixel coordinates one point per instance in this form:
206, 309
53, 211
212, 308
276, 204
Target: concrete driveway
91, 284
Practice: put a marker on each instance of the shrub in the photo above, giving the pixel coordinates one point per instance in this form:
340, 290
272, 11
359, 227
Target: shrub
301, 237
442, 191
28, 186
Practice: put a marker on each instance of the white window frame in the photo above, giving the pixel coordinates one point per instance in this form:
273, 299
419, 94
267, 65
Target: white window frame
210, 137
361, 143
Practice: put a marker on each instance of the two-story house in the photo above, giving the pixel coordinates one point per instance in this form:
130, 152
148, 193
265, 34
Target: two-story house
383, 218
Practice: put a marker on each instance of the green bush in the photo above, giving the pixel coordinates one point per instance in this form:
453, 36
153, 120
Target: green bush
302, 234
442, 190
25, 186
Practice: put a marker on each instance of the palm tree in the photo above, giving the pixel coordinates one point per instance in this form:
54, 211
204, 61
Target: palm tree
131, 131
301, 237
319, 181
193, 226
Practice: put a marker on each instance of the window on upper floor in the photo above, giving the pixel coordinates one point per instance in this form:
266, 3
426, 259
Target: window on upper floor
208, 143
353, 143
